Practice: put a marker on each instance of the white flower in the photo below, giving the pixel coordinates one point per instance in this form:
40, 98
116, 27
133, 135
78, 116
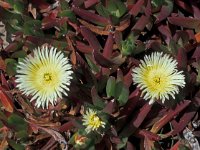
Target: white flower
92, 121
45, 76
158, 78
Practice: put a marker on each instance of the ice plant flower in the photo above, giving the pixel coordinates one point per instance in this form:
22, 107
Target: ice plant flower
45, 76
92, 121
80, 140
158, 78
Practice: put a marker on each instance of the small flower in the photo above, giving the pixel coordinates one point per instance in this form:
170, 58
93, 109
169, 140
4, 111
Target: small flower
158, 78
45, 76
92, 121
79, 139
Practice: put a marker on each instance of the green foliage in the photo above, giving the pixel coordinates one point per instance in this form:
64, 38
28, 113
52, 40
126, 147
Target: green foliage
116, 7
92, 65
118, 34
11, 66
16, 146
117, 90
33, 27
128, 45
17, 122
110, 87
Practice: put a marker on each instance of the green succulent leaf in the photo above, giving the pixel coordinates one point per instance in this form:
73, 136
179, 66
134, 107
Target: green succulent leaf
33, 27
117, 8
128, 45
93, 66
123, 97
17, 122
15, 146
10, 66
110, 87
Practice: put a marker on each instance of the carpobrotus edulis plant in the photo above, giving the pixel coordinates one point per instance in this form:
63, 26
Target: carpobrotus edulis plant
45, 76
92, 121
158, 78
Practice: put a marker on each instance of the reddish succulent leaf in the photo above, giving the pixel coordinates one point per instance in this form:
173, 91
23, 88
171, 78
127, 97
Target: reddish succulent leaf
107, 51
101, 60
91, 38
175, 146
109, 107
50, 21
186, 118
6, 101
165, 11
165, 31
102, 145
71, 47
131, 104
2, 64
38, 41
115, 140
188, 47
128, 78
182, 58
89, 3
4, 82
74, 25
95, 29
183, 35
89, 16
123, 25
169, 115
118, 38
77, 3
42, 4
144, 133
13, 46
136, 121
130, 146
66, 126
148, 9
186, 22
105, 71
136, 8
196, 54
83, 47
141, 23
196, 10
184, 6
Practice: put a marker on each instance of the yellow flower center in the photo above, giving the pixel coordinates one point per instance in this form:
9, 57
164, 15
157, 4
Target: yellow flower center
156, 79
47, 77
94, 121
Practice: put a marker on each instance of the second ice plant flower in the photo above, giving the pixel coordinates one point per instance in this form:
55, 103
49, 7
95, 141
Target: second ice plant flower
45, 76
158, 78
92, 121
